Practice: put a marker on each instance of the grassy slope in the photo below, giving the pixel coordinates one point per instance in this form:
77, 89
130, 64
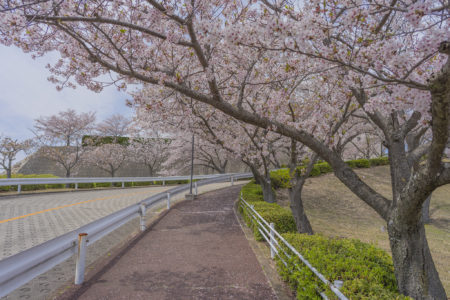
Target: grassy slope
335, 211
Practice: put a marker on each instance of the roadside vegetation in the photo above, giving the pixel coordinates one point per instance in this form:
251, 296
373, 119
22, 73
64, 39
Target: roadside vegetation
351, 242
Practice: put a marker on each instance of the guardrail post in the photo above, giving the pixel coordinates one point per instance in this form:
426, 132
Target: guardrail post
81, 258
272, 242
19, 188
232, 180
168, 200
76, 186
123, 184
142, 216
164, 182
196, 189
338, 284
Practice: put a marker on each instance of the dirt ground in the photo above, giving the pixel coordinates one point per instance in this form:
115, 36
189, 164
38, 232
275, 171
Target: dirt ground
335, 211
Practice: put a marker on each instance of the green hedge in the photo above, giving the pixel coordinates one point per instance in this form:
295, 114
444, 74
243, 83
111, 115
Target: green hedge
31, 187
358, 163
367, 271
252, 192
271, 212
281, 179
379, 161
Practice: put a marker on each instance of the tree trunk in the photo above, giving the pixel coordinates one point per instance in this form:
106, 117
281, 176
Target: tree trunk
9, 170
415, 271
296, 203
150, 171
426, 211
268, 193
67, 176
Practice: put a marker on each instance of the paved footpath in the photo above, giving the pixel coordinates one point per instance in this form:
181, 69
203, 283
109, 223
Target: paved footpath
196, 251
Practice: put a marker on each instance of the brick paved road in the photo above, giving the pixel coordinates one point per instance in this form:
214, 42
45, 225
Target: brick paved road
20, 234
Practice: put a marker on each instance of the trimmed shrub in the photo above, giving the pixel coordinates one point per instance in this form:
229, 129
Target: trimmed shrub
324, 167
271, 212
315, 171
367, 271
358, 163
252, 192
143, 183
379, 161
103, 184
55, 186
87, 185
280, 179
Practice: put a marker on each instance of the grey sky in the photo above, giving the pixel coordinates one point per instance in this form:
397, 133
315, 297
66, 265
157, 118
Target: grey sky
26, 94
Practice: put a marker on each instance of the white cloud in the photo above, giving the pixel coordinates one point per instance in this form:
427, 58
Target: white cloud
25, 94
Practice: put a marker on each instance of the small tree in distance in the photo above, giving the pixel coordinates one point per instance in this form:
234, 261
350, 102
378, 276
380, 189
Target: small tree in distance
59, 137
9, 148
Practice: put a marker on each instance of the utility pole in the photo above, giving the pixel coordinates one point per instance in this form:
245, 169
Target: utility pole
192, 164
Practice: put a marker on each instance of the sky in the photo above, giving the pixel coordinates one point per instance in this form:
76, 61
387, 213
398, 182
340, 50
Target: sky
26, 94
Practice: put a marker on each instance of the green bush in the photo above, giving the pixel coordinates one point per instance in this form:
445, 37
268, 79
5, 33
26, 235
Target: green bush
324, 167
280, 179
252, 192
143, 183
367, 271
103, 184
358, 163
315, 171
379, 161
87, 185
55, 186
271, 212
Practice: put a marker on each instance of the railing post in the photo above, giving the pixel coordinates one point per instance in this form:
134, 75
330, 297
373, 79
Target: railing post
168, 200
272, 242
196, 189
164, 182
142, 216
76, 185
232, 180
81, 258
338, 284
123, 184
19, 188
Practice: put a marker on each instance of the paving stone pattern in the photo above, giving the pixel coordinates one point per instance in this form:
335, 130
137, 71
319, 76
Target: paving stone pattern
197, 251
40, 228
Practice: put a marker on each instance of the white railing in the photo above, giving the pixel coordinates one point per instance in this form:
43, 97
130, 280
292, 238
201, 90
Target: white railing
22, 267
19, 182
275, 241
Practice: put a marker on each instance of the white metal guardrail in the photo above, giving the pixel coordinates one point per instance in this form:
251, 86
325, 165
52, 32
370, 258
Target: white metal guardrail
19, 182
22, 267
275, 240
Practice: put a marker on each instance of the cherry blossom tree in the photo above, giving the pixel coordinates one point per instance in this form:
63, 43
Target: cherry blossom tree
205, 154
60, 137
107, 157
391, 57
115, 126
151, 149
9, 148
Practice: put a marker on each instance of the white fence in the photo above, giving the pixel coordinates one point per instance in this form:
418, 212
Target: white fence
275, 241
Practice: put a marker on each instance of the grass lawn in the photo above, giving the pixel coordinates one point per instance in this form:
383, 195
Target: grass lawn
335, 211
